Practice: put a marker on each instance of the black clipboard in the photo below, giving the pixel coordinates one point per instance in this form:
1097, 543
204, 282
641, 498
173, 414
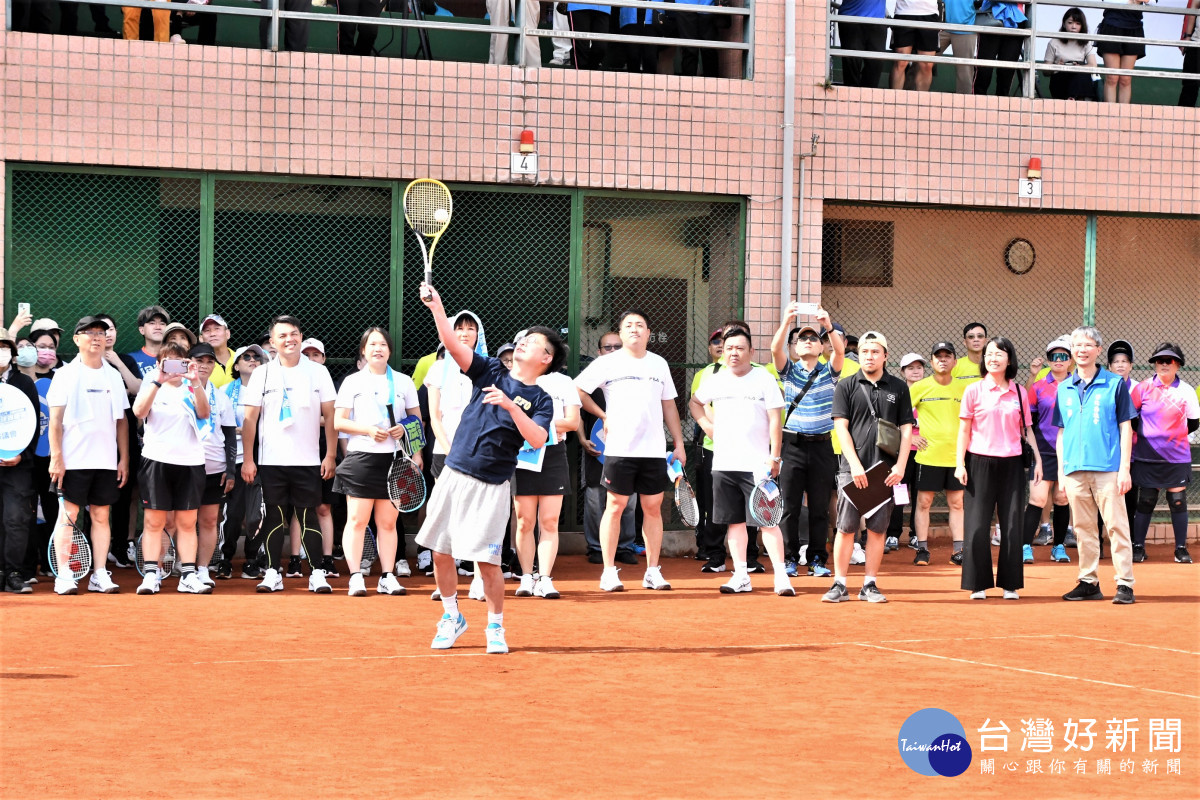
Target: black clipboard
877, 492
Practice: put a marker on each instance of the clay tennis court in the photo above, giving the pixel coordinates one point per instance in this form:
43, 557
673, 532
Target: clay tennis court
680, 694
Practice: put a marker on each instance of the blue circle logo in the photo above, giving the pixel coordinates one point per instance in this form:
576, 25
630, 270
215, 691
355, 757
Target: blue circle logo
934, 742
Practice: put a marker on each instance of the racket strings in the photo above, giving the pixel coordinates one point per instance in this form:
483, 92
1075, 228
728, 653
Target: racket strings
422, 201
406, 485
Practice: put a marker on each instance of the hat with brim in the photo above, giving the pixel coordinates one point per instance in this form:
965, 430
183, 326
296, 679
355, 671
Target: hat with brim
201, 350
1168, 350
795, 332
943, 347
87, 323
1118, 347
912, 358
873, 336
1063, 343
262, 356
178, 326
507, 347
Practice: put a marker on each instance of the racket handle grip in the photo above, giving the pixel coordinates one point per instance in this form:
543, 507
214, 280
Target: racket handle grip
426, 294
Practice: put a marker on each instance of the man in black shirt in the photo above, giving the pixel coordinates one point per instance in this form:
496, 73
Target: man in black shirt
860, 402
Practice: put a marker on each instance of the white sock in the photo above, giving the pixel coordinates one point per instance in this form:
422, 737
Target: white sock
496, 619
868, 579
739, 567
525, 575
610, 572
842, 581
450, 605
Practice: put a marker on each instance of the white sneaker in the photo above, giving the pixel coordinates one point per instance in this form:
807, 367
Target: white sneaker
1009, 594
437, 594
317, 582
131, 553
740, 582
526, 587
980, 595
65, 584
424, 561
609, 582
476, 590
783, 587
272, 581
205, 578
101, 581
496, 643
402, 569
859, 556
191, 584
151, 583
177, 39
996, 536
545, 588
463, 571
389, 585
803, 560
358, 587
364, 567
654, 580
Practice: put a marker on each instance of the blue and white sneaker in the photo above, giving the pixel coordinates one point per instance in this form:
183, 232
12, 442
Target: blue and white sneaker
1026, 554
448, 631
495, 638
790, 569
1059, 553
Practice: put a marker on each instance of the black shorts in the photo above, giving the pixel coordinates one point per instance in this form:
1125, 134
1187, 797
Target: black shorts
923, 40
290, 486
937, 479
1121, 48
437, 464
363, 475
170, 487
553, 479
1149, 475
731, 496
327, 490
1049, 467
642, 476
89, 487
214, 490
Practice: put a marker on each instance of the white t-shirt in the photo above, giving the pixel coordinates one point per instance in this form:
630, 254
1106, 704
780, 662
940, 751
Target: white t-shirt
562, 391
456, 389
221, 413
90, 444
170, 430
634, 389
916, 8
367, 395
280, 441
741, 436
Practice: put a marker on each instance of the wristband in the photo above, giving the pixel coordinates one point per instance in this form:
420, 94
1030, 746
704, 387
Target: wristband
156, 383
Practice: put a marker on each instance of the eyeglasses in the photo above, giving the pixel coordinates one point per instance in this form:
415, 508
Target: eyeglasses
250, 357
808, 337
608, 348
716, 340
976, 335
90, 334
1060, 356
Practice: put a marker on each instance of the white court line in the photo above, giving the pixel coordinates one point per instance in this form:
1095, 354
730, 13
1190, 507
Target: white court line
1133, 644
532, 651
1029, 671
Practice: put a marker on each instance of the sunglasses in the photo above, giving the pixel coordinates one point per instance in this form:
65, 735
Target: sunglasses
1059, 356
608, 348
716, 340
250, 357
808, 337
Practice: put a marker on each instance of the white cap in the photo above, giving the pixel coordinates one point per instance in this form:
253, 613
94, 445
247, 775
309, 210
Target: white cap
1061, 343
314, 344
912, 358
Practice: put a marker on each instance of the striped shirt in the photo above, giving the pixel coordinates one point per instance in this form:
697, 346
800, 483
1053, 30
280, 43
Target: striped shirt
814, 414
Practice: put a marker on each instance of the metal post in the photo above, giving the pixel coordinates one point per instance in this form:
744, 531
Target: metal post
748, 39
1031, 56
396, 294
575, 284
8, 15
274, 35
1089, 272
208, 216
519, 16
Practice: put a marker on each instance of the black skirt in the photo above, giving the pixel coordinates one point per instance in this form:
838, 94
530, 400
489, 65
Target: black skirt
363, 475
554, 478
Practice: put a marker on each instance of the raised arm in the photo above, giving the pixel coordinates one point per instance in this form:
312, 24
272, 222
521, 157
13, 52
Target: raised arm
454, 348
779, 341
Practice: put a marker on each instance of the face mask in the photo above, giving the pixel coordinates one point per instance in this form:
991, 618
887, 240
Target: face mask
5, 357
46, 357
27, 356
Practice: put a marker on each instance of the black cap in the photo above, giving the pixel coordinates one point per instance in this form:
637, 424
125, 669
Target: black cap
202, 349
1120, 346
837, 326
507, 347
940, 346
150, 312
1168, 350
87, 323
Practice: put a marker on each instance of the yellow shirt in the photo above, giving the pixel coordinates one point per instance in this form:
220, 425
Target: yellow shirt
966, 371
937, 407
222, 375
422, 369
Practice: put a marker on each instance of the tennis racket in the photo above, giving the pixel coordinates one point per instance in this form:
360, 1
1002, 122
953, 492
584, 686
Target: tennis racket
427, 208
766, 503
370, 552
685, 498
79, 560
406, 484
166, 555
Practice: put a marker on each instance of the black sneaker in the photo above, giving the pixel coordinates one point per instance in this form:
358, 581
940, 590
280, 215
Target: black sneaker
922, 557
1070, 540
595, 557
330, 568
338, 553
224, 571
956, 559
1139, 553
713, 566
294, 568
16, 584
251, 571
626, 557
755, 566
1124, 596
1085, 591
870, 593
1182, 556
1045, 536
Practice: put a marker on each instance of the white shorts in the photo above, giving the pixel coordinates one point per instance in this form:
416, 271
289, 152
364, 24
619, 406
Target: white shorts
466, 517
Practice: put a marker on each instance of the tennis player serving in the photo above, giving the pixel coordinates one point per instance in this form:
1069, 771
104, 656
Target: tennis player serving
471, 501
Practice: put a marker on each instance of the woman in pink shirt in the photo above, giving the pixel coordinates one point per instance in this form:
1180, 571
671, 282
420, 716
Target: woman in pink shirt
992, 420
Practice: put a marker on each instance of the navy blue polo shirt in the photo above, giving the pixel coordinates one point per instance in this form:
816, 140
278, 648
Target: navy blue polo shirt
487, 440
1090, 415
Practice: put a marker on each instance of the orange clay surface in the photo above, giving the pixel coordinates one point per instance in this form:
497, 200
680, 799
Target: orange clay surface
678, 694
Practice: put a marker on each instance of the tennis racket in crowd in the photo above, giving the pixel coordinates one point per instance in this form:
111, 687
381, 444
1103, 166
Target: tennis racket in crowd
406, 484
79, 560
766, 503
370, 552
166, 555
427, 208
685, 498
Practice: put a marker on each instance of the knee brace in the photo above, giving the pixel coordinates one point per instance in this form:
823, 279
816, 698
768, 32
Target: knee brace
1177, 502
1147, 500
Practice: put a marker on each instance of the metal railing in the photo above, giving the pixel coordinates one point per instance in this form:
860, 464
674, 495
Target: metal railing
521, 29
1029, 66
